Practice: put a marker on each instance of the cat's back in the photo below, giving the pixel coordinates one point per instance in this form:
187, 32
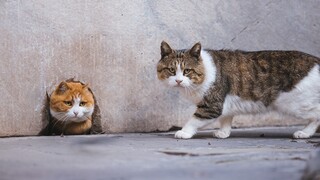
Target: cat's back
271, 57
261, 75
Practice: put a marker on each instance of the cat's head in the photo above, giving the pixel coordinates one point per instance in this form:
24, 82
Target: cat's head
72, 101
181, 68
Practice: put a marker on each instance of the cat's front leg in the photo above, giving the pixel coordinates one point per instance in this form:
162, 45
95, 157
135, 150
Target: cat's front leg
308, 131
225, 127
191, 128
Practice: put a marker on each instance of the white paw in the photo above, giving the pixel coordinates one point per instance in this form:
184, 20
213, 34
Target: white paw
301, 134
183, 135
222, 134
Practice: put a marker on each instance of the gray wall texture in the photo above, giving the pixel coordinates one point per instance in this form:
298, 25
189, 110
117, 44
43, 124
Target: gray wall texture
114, 46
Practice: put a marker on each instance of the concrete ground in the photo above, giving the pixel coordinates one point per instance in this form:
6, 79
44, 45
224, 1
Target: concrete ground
255, 153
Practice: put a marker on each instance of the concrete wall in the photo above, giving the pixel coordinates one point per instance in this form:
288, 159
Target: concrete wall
114, 46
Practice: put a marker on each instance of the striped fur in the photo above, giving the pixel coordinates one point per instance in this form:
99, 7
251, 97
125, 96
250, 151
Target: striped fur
243, 83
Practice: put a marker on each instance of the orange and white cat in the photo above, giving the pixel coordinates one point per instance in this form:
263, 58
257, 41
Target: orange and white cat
72, 106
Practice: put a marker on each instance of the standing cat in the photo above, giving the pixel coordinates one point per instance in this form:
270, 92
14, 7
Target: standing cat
225, 83
73, 110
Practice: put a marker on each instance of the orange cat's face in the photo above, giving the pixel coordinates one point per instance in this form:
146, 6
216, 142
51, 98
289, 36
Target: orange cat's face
72, 102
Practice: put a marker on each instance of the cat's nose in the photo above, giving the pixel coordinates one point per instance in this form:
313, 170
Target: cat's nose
75, 114
178, 81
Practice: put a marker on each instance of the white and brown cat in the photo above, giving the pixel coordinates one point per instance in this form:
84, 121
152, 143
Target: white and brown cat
224, 83
72, 110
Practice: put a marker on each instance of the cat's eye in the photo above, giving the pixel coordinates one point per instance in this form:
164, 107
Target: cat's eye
82, 103
172, 70
68, 103
187, 71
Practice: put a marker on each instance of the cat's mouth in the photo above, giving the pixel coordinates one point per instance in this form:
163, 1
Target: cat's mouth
179, 86
77, 119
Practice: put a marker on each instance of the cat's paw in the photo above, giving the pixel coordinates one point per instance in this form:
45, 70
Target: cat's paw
183, 135
222, 134
301, 135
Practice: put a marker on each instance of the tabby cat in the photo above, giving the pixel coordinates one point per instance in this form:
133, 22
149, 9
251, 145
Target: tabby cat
73, 110
225, 83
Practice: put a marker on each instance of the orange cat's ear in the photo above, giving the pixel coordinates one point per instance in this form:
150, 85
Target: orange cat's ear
63, 87
85, 86
196, 50
165, 49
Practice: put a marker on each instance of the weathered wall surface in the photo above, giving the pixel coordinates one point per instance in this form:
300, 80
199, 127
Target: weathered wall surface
114, 46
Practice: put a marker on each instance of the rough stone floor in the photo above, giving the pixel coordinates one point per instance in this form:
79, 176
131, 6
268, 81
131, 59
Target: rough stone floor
254, 153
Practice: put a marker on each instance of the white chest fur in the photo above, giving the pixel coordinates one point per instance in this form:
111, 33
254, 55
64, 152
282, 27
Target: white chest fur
196, 95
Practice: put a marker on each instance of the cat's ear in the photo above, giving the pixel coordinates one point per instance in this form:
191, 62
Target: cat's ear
63, 87
85, 86
196, 50
165, 49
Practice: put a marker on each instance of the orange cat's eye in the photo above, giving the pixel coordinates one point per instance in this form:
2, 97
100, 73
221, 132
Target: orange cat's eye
82, 103
68, 103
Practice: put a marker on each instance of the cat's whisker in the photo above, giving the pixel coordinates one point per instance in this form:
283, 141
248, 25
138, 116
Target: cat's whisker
88, 118
67, 113
63, 117
189, 90
186, 90
61, 120
193, 86
55, 123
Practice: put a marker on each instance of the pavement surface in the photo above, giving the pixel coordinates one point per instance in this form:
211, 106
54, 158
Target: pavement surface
254, 153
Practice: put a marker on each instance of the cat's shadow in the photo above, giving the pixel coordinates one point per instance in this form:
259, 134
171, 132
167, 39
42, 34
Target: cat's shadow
260, 133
